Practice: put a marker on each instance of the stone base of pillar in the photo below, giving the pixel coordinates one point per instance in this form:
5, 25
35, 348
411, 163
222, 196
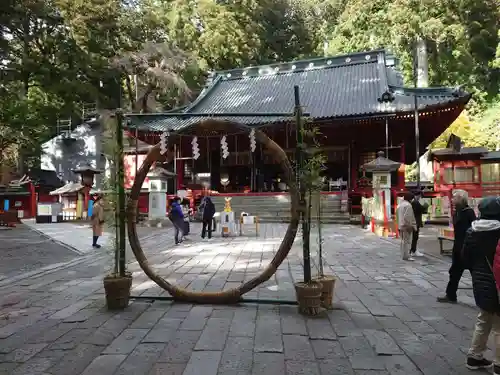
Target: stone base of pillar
158, 223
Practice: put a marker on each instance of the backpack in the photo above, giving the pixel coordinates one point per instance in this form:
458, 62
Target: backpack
496, 266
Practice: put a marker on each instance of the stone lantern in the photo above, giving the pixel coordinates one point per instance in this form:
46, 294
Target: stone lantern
87, 173
381, 169
158, 184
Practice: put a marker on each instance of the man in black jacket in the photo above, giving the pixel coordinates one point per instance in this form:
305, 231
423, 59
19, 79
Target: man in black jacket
418, 211
462, 219
478, 257
207, 215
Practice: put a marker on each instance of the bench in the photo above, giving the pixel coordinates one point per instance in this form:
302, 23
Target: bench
441, 249
445, 235
8, 218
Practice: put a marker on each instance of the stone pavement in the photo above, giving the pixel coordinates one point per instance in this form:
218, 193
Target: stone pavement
22, 250
77, 236
386, 321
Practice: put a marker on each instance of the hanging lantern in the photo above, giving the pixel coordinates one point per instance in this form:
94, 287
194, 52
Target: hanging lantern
163, 142
224, 148
253, 145
196, 149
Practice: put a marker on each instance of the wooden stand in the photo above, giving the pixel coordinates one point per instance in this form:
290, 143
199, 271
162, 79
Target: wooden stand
249, 220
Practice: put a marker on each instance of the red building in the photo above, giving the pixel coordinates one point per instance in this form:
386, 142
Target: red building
473, 169
23, 194
358, 101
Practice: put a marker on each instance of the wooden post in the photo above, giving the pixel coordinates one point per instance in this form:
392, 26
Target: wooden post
401, 170
302, 189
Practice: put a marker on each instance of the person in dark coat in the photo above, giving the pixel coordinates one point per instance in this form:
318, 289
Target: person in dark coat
418, 211
462, 220
176, 216
208, 213
478, 254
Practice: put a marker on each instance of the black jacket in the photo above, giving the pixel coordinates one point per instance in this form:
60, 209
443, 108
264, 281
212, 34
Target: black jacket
208, 209
478, 253
418, 211
462, 220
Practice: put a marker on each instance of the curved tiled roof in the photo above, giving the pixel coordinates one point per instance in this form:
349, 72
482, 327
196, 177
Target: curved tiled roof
331, 87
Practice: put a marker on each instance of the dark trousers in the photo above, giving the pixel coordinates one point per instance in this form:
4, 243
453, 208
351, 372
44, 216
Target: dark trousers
414, 240
456, 271
207, 227
178, 228
94, 240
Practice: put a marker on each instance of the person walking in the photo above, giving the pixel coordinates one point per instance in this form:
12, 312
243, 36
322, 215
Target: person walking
208, 213
185, 212
97, 220
418, 211
176, 216
365, 211
406, 224
479, 251
462, 220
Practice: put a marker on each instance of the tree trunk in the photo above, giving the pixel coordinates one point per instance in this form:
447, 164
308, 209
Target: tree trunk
422, 63
130, 93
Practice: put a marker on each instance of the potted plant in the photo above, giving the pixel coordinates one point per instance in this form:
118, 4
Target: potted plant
309, 291
117, 284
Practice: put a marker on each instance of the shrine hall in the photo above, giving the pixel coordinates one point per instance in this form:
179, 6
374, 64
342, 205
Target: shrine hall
358, 102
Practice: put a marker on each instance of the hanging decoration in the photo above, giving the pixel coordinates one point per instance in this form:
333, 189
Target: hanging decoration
252, 140
196, 149
223, 144
163, 142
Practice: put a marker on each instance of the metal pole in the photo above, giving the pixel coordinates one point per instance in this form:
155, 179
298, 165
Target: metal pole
349, 166
136, 163
417, 129
320, 238
386, 137
136, 150
301, 186
121, 191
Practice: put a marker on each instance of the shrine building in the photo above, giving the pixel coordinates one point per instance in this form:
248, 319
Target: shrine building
357, 101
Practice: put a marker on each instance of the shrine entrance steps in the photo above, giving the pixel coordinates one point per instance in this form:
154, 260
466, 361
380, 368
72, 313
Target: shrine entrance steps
276, 208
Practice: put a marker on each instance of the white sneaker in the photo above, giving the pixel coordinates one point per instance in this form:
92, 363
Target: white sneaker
419, 254
411, 259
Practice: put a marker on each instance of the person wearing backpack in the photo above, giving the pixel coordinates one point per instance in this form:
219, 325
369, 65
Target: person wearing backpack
176, 216
479, 253
462, 220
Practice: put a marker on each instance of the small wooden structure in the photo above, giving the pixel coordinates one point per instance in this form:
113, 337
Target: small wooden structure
473, 169
381, 169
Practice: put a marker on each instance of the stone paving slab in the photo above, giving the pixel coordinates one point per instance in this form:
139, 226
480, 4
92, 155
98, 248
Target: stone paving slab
24, 251
80, 238
386, 321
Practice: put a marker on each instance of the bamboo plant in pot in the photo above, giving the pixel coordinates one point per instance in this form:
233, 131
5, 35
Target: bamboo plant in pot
117, 284
309, 291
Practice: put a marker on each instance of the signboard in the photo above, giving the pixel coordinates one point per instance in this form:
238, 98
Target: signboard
44, 209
